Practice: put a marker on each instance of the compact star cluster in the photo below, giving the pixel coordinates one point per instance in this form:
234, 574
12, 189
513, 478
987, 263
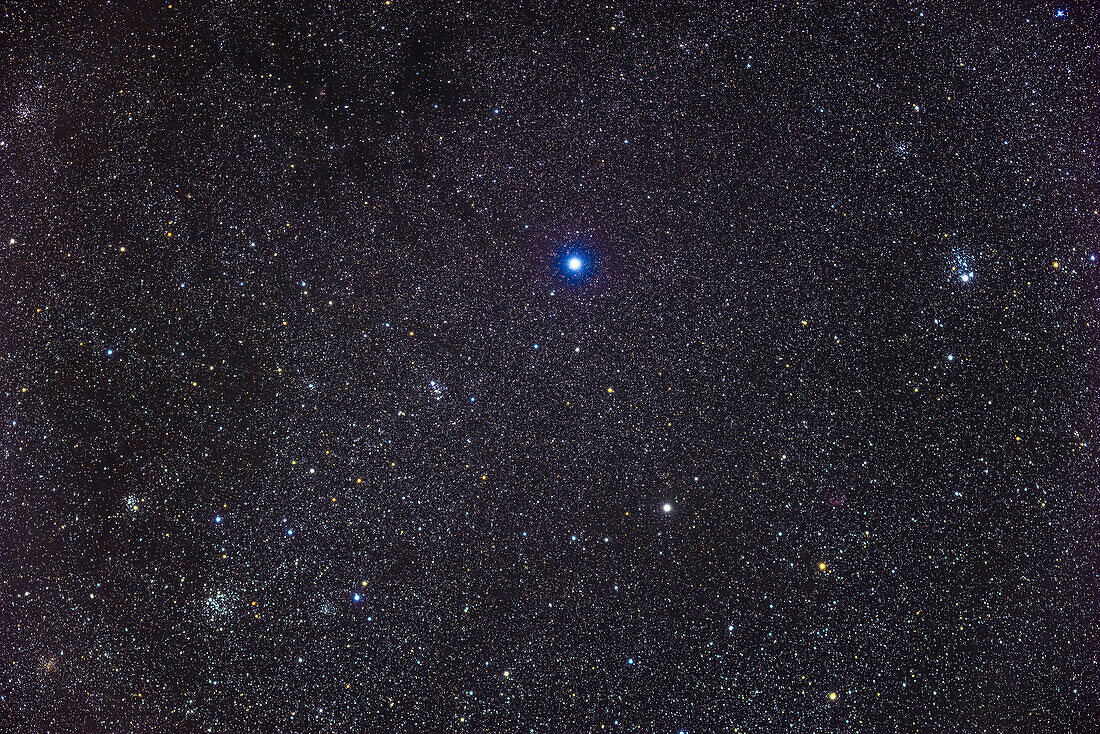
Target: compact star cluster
496, 367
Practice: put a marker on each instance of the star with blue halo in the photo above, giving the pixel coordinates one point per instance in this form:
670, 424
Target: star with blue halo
576, 262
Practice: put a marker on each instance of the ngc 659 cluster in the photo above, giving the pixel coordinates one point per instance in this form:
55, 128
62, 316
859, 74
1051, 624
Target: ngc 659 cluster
495, 367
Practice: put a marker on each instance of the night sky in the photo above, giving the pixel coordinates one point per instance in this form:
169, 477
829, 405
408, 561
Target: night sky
525, 368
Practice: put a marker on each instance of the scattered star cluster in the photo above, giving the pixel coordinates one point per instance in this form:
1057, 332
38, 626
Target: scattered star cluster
495, 367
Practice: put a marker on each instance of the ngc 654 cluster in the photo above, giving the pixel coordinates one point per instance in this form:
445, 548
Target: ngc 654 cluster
502, 368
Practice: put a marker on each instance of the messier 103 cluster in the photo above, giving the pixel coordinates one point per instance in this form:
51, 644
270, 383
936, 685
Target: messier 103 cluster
466, 367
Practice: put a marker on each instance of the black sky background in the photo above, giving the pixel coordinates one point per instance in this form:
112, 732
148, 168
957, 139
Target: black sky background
273, 279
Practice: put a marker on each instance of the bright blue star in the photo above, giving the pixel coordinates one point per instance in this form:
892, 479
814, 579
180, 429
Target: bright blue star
356, 597
574, 263
218, 519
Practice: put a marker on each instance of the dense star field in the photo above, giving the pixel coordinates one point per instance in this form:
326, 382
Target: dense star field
518, 368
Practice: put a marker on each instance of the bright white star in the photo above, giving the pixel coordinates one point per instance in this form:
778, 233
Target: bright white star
575, 263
